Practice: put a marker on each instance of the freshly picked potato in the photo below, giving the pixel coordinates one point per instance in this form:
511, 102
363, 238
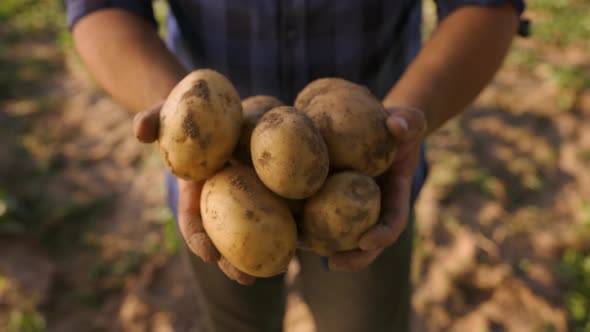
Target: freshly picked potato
322, 86
250, 226
288, 153
353, 124
200, 125
253, 109
337, 216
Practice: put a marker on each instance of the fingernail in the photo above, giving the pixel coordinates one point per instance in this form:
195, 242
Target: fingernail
402, 122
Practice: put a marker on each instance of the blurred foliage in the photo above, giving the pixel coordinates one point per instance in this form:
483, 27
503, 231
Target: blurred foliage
584, 224
556, 23
34, 18
26, 321
44, 217
161, 10
576, 268
25, 20
171, 240
22, 79
569, 79
7, 210
562, 22
119, 267
86, 297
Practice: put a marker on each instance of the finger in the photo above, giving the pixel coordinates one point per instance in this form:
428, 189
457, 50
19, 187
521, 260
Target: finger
146, 124
201, 245
352, 261
406, 124
394, 217
382, 235
190, 222
386, 232
234, 274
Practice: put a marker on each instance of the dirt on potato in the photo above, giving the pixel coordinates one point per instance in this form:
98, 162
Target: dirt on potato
506, 198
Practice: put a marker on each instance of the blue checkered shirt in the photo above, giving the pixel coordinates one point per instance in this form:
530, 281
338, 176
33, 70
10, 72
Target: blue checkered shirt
276, 47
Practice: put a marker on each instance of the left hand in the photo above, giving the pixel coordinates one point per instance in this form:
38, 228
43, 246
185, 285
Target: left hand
146, 127
408, 127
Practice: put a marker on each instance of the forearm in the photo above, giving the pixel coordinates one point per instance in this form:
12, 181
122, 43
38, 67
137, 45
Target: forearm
127, 57
456, 63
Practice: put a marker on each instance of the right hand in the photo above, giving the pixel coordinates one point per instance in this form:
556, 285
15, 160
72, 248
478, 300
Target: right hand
145, 128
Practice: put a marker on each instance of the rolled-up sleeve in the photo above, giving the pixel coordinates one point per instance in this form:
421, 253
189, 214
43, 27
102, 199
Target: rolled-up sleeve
444, 7
76, 9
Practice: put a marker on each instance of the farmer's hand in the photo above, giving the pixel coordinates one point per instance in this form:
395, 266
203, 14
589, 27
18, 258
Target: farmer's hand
408, 127
145, 127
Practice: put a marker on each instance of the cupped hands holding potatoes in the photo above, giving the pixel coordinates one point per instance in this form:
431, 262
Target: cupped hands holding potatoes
348, 220
338, 150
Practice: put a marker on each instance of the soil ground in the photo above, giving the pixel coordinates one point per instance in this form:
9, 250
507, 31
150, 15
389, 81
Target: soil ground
503, 224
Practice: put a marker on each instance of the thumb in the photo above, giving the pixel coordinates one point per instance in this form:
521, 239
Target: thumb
406, 124
146, 124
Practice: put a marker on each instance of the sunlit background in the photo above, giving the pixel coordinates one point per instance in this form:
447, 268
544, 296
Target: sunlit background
87, 244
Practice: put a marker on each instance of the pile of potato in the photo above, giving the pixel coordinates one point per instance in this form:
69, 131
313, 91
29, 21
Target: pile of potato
278, 176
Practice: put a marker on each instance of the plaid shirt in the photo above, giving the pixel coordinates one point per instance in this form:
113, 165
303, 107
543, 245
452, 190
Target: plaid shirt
275, 47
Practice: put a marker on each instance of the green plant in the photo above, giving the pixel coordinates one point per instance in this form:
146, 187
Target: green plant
562, 22
576, 269
32, 18
570, 77
26, 321
171, 241
523, 58
125, 264
161, 10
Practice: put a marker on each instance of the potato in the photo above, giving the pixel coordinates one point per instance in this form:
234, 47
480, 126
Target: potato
353, 124
322, 86
288, 153
253, 109
200, 125
249, 225
335, 218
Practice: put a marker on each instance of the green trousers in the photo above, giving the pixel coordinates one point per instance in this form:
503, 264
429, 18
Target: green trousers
372, 300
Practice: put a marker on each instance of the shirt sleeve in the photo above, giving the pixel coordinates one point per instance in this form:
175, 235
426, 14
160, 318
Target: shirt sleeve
76, 9
445, 7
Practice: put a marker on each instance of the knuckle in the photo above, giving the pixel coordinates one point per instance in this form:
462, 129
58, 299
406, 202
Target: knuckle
208, 257
388, 239
355, 267
189, 222
244, 279
137, 119
389, 233
384, 238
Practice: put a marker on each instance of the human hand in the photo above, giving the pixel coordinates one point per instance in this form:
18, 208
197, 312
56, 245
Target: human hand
145, 128
408, 128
